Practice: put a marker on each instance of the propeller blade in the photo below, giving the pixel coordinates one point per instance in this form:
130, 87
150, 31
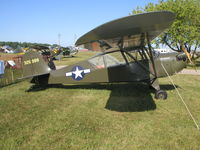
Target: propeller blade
187, 54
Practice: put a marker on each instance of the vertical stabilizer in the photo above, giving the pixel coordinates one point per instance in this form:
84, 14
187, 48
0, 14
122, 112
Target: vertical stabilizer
33, 64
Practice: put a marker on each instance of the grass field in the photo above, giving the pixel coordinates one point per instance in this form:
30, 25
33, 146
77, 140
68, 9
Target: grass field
196, 64
102, 117
99, 117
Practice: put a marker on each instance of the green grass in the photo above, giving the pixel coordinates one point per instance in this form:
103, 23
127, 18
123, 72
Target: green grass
196, 64
110, 116
106, 116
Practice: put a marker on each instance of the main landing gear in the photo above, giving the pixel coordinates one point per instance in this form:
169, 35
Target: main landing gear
161, 94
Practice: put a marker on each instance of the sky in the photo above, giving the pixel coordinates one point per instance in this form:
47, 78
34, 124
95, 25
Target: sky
41, 21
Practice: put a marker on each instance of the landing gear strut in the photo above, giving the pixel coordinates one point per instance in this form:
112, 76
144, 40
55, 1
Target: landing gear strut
161, 94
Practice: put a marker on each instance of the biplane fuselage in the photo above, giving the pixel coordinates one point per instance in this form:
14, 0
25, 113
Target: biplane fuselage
90, 71
104, 68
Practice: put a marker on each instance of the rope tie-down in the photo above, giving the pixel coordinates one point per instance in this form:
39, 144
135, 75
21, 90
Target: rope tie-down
188, 110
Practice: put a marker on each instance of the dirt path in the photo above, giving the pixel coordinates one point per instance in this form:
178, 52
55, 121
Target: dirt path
59, 67
190, 71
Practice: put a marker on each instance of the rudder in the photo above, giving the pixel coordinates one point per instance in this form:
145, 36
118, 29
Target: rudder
33, 65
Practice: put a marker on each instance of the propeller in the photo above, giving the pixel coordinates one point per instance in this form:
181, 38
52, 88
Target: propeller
189, 58
187, 54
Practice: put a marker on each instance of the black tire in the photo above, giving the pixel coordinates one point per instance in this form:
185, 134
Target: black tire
161, 94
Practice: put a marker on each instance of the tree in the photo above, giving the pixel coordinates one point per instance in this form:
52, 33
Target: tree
15, 45
184, 33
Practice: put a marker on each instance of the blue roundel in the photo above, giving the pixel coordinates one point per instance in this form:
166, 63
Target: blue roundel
78, 73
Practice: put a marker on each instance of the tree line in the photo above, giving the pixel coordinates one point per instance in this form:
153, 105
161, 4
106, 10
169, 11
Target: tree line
15, 45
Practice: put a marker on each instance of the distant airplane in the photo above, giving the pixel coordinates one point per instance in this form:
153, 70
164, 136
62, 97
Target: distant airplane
69, 51
7, 49
163, 50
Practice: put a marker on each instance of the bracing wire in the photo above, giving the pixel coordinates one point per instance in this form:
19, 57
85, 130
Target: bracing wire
195, 122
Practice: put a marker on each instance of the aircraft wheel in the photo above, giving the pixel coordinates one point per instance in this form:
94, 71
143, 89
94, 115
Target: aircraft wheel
161, 94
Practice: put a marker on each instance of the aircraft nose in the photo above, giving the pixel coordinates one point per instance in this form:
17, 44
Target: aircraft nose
181, 57
181, 61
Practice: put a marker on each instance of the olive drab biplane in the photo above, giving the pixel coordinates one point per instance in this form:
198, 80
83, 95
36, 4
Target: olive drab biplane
126, 55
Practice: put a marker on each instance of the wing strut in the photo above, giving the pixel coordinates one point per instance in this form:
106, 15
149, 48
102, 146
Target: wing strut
151, 54
121, 45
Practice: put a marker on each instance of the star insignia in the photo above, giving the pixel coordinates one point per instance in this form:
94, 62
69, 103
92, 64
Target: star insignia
77, 73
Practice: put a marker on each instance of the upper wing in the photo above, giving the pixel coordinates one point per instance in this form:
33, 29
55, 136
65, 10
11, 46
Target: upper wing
130, 28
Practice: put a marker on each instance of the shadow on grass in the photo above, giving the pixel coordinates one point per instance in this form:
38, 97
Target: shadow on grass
130, 97
133, 98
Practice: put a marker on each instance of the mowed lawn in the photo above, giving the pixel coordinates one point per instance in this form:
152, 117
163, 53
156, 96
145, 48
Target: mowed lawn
194, 66
104, 117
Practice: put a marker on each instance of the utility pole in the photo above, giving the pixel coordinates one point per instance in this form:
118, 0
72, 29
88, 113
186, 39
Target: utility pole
75, 37
59, 35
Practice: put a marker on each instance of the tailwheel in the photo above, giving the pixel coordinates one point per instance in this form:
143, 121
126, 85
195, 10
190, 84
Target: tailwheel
161, 94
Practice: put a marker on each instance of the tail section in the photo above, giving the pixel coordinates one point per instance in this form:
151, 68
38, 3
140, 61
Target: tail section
34, 65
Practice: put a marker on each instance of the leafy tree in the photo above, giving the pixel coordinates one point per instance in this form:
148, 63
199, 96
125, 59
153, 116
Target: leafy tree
184, 34
16, 45
55, 45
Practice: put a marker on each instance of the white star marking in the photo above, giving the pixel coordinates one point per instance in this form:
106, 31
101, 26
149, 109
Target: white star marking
78, 73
